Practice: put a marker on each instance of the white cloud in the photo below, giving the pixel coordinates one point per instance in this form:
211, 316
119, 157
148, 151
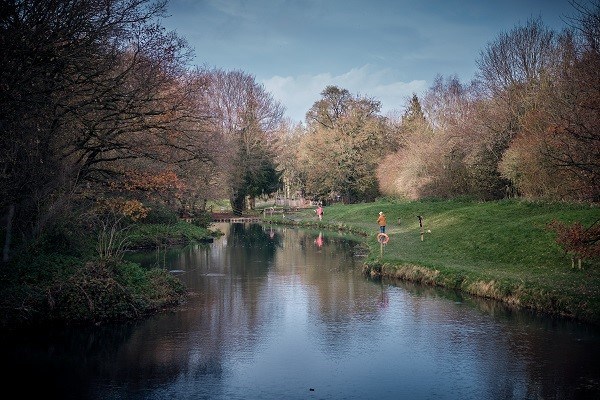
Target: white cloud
298, 93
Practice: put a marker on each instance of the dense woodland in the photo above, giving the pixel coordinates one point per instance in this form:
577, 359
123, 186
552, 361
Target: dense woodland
101, 115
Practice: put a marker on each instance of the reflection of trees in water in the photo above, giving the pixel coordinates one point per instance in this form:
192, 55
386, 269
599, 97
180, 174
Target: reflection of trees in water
64, 361
339, 296
251, 244
237, 284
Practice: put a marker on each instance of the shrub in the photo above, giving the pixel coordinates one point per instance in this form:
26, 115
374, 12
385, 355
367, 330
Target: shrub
160, 214
97, 291
577, 241
101, 292
203, 219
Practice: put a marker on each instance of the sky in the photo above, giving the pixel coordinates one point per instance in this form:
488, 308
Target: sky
382, 49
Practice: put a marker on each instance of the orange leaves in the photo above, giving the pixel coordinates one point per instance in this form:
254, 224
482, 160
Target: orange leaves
133, 209
166, 181
146, 186
576, 240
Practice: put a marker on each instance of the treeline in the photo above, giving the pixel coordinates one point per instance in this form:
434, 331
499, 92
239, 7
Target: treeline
528, 126
101, 115
102, 120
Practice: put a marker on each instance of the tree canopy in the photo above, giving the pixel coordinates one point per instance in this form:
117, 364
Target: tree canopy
343, 146
98, 103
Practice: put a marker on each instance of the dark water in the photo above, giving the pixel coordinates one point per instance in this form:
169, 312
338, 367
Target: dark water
278, 315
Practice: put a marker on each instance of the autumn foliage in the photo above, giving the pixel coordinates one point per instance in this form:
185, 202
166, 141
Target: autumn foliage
98, 102
579, 242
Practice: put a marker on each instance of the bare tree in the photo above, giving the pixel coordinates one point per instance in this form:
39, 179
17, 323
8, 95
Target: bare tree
516, 58
572, 110
512, 69
288, 157
85, 84
247, 118
555, 151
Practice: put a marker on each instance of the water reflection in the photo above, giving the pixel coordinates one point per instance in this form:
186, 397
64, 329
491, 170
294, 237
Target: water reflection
319, 240
274, 314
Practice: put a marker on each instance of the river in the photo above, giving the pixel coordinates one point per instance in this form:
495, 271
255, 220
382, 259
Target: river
285, 313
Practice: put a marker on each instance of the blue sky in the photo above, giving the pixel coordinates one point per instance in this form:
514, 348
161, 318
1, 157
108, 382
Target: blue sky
383, 49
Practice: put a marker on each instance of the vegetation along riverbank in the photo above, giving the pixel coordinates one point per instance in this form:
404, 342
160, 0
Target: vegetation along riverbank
116, 142
78, 274
505, 250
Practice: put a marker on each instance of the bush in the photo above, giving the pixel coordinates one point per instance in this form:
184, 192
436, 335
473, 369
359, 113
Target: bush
160, 214
91, 293
101, 292
154, 235
202, 219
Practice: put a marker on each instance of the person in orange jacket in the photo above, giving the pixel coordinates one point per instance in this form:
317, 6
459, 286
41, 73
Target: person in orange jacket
381, 221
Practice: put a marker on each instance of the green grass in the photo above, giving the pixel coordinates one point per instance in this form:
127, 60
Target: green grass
499, 250
42, 284
153, 235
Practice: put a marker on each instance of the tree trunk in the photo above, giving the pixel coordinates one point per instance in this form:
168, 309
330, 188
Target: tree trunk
238, 203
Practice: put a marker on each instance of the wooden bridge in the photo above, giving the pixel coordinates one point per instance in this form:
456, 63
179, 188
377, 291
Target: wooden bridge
238, 219
226, 217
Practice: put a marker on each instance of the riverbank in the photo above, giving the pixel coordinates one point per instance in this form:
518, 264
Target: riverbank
83, 282
501, 250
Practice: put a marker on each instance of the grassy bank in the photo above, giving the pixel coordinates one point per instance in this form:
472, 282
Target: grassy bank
64, 279
500, 250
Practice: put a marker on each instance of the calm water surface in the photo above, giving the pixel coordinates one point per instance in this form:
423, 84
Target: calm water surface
280, 313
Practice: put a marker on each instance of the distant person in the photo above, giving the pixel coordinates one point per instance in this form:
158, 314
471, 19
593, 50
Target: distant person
381, 222
319, 212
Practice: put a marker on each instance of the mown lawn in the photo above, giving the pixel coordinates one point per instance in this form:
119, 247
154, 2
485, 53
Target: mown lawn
500, 249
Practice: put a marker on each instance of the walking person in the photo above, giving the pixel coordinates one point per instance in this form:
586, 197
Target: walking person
381, 221
319, 212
